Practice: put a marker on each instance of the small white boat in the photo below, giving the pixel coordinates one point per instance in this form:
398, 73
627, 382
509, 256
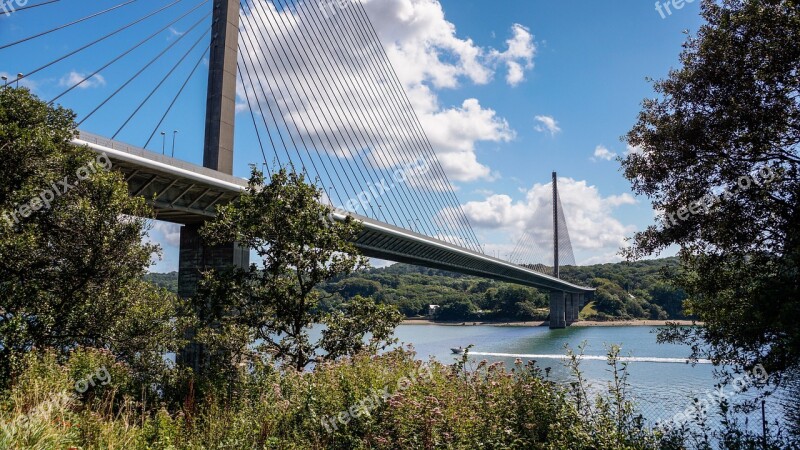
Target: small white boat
457, 351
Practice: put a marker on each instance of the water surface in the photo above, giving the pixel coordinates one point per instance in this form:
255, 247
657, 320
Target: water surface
662, 382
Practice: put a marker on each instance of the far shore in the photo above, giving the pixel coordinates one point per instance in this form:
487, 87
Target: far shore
538, 323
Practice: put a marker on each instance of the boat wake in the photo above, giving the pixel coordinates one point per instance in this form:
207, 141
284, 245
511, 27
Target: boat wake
650, 359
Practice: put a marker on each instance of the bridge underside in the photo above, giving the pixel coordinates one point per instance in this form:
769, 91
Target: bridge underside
187, 194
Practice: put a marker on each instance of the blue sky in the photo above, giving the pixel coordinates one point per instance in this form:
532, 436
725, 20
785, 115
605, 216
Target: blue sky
582, 67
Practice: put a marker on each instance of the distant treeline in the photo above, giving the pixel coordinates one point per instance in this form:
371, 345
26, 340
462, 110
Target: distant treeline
638, 290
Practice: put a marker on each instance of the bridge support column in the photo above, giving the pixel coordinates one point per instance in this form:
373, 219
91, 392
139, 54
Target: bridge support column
578, 305
218, 155
558, 309
221, 100
570, 313
195, 258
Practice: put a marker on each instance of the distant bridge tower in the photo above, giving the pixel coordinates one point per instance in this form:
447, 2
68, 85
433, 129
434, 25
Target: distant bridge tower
564, 306
555, 225
195, 257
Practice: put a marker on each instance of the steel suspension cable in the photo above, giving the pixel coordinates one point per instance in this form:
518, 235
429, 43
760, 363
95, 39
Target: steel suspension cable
180, 91
61, 27
370, 118
401, 143
369, 43
23, 8
446, 210
566, 258
245, 58
304, 168
367, 119
158, 86
139, 44
316, 102
117, 31
379, 214
296, 126
255, 125
296, 108
368, 25
149, 63
359, 137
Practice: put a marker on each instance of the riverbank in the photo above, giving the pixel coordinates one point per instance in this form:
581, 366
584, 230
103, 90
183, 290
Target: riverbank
580, 323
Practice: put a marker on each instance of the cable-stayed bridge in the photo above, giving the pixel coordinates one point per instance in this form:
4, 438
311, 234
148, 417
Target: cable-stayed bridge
314, 89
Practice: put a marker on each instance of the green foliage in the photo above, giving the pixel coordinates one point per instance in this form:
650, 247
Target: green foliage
364, 402
71, 263
385, 402
458, 310
168, 281
724, 126
346, 330
276, 304
518, 302
641, 290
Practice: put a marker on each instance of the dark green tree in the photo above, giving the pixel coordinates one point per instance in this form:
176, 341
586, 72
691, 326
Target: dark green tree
719, 160
517, 302
457, 310
668, 297
347, 330
351, 287
71, 251
300, 247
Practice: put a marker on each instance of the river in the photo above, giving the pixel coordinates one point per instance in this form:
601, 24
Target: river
662, 382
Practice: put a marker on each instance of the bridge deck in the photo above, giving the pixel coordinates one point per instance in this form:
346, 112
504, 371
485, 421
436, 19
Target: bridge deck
185, 193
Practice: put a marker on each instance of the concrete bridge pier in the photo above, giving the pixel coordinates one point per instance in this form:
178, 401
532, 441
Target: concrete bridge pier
564, 308
196, 258
574, 305
570, 313
558, 308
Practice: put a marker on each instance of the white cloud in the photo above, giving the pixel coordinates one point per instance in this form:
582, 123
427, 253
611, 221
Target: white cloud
619, 200
519, 55
73, 78
428, 56
630, 149
380, 263
547, 124
169, 233
175, 33
592, 228
601, 152
454, 132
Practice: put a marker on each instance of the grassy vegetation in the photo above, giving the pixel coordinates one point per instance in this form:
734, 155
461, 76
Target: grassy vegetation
385, 402
588, 311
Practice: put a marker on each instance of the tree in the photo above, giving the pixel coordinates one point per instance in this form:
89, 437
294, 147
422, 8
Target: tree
517, 302
457, 310
717, 154
71, 251
346, 330
276, 304
352, 287
669, 298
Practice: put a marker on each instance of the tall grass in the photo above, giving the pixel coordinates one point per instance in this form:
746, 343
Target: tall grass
367, 402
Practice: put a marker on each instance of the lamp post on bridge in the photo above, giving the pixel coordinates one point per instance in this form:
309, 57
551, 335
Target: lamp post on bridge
174, 133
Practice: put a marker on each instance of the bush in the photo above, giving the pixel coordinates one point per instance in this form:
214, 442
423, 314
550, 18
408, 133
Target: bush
379, 402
